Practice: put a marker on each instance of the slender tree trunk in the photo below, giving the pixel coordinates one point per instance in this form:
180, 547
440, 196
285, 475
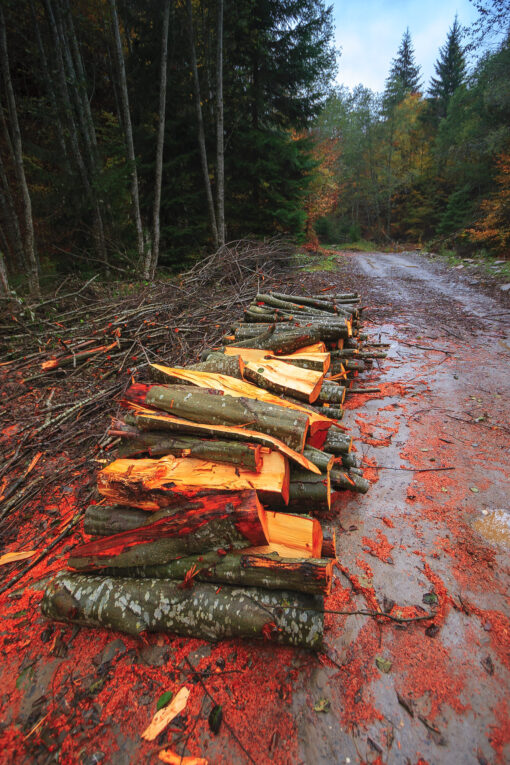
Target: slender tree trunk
220, 189
200, 121
28, 233
49, 87
4, 281
12, 228
151, 259
128, 130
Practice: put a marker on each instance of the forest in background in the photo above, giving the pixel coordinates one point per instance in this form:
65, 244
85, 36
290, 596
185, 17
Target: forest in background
138, 135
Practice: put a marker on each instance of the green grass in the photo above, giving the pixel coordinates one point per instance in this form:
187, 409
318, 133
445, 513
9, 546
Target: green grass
480, 261
310, 263
362, 245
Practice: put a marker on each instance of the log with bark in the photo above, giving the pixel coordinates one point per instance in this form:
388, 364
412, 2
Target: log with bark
318, 424
337, 442
154, 484
209, 407
233, 520
155, 444
152, 420
349, 481
137, 606
270, 571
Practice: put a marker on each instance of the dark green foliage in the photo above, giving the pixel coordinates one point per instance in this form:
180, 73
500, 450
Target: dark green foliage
404, 76
450, 70
457, 213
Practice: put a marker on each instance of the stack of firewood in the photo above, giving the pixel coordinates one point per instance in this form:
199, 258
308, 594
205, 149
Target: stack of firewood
211, 525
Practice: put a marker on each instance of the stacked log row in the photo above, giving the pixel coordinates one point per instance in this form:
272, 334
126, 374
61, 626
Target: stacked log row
225, 468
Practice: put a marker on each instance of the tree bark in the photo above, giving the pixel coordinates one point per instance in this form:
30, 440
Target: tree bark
130, 147
322, 460
157, 445
287, 341
220, 150
309, 492
328, 543
136, 606
156, 228
349, 481
213, 520
331, 393
220, 363
28, 227
334, 412
200, 124
288, 425
106, 520
4, 281
312, 575
337, 443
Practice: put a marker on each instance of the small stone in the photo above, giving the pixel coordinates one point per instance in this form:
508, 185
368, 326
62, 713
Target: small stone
504, 287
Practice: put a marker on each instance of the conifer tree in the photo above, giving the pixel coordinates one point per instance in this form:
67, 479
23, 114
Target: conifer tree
404, 76
450, 70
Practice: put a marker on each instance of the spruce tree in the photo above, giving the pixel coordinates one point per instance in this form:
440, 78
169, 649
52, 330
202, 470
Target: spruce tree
404, 76
450, 70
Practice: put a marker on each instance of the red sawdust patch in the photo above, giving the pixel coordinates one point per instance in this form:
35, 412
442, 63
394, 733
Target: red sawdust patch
381, 548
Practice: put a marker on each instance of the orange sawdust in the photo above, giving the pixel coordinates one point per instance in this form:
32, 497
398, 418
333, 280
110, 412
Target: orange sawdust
379, 549
499, 736
370, 471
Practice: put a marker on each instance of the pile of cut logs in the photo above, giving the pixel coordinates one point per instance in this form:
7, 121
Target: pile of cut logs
211, 526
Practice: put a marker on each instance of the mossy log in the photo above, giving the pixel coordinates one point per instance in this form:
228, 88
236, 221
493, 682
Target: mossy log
341, 480
105, 520
157, 445
284, 342
218, 362
225, 520
136, 606
308, 492
212, 407
331, 393
323, 460
337, 442
312, 575
335, 412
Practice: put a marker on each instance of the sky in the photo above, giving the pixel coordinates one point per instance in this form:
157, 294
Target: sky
369, 32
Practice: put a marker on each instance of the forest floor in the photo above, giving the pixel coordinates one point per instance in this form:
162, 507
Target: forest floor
433, 533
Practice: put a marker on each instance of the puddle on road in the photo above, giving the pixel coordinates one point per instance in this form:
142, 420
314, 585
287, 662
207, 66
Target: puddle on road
495, 526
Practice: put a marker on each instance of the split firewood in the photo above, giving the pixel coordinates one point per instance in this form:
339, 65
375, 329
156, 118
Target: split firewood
221, 363
136, 606
206, 406
318, 424
145, 419
291, 536
227, 519
282, 378
308, 493
154, 484
157, 445
312, 575
349, 481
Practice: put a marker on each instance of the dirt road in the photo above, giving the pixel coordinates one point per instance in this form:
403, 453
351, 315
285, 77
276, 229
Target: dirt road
417, 535
431, 536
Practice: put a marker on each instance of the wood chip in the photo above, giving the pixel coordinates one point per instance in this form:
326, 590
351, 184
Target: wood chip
166, 755
164, 716
15, 556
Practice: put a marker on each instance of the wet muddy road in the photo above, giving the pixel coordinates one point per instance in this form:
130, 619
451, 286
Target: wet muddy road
433, 532
430, 538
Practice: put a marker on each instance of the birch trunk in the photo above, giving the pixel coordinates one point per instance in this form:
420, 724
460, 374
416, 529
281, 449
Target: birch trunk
28, 232
200, 122
156, 231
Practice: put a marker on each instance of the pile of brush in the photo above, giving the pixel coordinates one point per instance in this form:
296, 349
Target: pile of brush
211, 526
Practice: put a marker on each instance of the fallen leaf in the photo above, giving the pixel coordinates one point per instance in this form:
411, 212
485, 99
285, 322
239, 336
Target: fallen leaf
430, 598
443, 488
474, 489
165, 716
15, 556
166, 755
215, 718
164, 699
383, 664
323, 705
